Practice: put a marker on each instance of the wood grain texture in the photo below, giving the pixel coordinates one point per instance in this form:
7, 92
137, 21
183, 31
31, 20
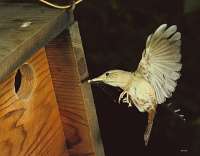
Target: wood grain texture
19, 42
68, 68
30, 123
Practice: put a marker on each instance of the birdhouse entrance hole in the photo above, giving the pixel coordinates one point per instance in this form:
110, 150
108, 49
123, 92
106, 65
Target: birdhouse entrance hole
24, 81
18, 78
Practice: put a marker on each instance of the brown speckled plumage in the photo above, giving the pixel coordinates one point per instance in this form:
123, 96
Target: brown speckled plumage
156, 76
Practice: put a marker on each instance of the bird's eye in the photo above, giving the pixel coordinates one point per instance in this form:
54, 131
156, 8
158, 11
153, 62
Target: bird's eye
107, 74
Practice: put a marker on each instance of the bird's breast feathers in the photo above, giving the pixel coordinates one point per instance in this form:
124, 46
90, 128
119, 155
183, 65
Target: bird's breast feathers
142, 93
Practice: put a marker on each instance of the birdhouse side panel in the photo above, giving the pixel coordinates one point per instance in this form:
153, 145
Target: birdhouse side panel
69, 70
69, 98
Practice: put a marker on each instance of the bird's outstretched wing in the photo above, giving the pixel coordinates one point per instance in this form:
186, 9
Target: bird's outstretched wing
160, 63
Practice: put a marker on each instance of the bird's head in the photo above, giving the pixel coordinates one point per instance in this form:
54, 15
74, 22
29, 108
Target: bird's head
116, 78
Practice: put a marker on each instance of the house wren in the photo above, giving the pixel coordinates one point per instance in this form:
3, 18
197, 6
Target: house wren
155, 78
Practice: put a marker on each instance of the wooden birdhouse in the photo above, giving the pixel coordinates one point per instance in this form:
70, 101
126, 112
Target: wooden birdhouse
45, 108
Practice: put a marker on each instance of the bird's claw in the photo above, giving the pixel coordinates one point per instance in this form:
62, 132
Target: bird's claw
126, 99
121, 96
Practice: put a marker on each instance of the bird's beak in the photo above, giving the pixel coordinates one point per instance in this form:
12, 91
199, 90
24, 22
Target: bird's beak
95, 80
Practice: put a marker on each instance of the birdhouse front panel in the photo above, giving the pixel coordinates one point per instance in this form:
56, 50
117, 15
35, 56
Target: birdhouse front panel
29, 118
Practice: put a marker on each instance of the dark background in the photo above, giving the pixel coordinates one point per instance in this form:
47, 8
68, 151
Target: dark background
114, 34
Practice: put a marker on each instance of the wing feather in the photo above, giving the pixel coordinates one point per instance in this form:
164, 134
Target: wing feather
160, 63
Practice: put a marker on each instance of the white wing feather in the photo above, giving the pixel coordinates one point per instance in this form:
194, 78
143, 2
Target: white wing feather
160, 63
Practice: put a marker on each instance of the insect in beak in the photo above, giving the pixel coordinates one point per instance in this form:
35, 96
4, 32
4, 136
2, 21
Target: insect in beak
95, 80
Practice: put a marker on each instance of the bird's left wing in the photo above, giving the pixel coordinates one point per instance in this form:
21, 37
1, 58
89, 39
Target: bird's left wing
160, 63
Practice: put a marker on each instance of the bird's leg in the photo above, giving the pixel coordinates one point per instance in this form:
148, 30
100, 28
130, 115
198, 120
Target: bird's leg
121, 96
151, 115
127, 100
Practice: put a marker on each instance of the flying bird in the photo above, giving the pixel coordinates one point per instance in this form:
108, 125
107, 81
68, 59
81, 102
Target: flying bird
155, 78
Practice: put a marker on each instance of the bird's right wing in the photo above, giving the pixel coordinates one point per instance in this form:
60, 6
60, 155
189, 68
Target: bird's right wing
160, 63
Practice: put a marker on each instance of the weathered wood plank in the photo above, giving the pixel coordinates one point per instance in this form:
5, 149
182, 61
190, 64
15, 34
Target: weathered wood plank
19, 42
29, 118
68, 68
86, 89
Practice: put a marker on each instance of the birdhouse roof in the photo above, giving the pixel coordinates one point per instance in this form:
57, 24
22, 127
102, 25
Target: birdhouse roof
25, 28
